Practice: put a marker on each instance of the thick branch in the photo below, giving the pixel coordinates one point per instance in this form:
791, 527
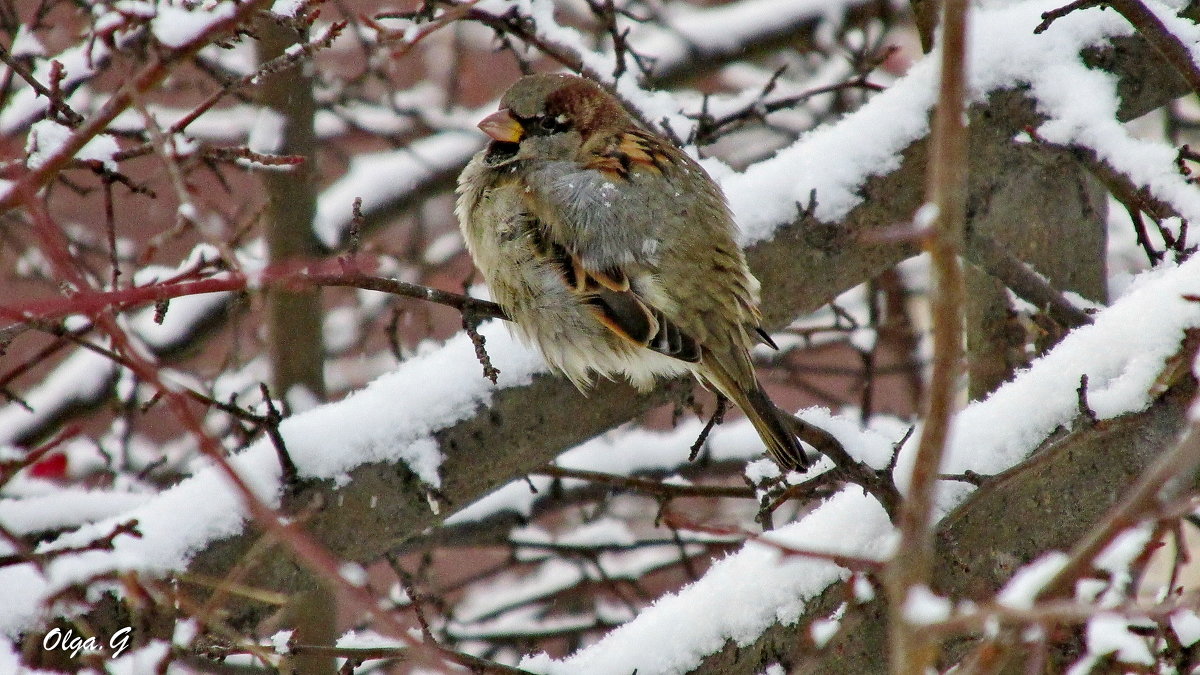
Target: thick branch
985, 539
804, 266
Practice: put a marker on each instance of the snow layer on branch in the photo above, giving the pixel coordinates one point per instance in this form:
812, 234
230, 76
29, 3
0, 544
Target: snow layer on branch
728, 27
390, 420
1080, 104
47, 137
633, 451
378, 178
79, 63
176, 25
739, 597
59, 507
81, 377
1109, 633
1123, 353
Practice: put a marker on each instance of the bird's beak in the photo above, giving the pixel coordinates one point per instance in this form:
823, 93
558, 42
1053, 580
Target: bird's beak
502, 126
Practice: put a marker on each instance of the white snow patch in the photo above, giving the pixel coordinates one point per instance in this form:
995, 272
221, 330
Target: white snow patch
177, 25
1186, 625
1022, 589
26, 43
923, 607
1109, 633
47, 137
379, 177
266, 136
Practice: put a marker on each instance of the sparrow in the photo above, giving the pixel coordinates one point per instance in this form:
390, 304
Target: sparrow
612, 251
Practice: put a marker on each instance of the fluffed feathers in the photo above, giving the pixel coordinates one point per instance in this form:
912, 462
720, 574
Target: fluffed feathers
613, 251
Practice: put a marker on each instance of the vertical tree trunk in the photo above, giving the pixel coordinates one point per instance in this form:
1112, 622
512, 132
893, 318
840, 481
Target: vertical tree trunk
294, 318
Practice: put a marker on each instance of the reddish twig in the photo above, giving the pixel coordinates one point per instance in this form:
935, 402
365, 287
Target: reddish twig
144, 81
912, 649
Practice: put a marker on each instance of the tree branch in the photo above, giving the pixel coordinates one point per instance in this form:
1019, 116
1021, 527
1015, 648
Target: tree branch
802, 267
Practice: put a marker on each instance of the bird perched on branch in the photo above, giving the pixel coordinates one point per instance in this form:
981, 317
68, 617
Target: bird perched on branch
613, 251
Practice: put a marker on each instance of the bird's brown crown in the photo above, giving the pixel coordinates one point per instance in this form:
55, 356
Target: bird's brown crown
566, 99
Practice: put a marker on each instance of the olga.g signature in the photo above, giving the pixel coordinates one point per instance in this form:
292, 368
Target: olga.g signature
68, 641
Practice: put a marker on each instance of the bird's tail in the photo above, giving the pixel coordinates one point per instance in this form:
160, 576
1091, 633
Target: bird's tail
773, 425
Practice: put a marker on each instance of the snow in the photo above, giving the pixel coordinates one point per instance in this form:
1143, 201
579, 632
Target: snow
79, 62
266, 136
1109, 633
353, 573
25, 43
227, 124
10, 660
287, 8
1124, 549
1122, 352
1186, 625
1022, 589
1087, 590
280, 641
761, 471
598, 533
391, 420
923, 607
82, 376
864, 590
379, 177
822, 631
59, 507
727, 27
47, 137
364, 639
177, 25
443, 248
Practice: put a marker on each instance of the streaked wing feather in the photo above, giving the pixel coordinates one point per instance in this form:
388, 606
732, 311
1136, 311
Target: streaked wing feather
616, 304
672, 341
765, 338
625, 314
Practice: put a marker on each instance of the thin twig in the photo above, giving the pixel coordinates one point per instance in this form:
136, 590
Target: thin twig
57, 103
1159, 485
1026, 283
718, 416
648, 486
914, 650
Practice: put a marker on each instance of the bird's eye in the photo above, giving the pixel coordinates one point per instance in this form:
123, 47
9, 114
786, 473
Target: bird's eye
553, 125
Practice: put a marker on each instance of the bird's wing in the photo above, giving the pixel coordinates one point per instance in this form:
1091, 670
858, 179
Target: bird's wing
615, 302
604, 220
